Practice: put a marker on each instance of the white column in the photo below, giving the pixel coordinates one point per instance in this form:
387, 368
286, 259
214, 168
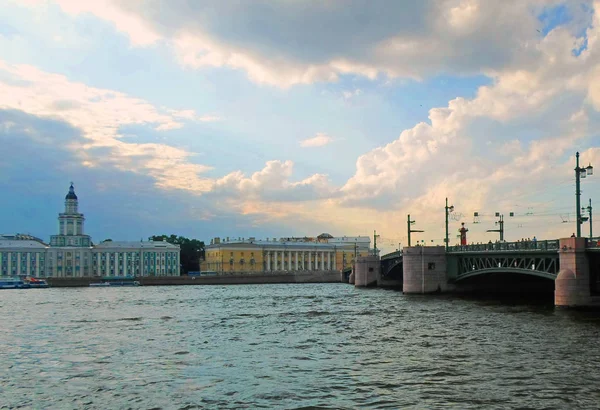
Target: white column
328, 260
28, 262
37, 264
268, 261
296, 256
322, 260
107, 266
309, 260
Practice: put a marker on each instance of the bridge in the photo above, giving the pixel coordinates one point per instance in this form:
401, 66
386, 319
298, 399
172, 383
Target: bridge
426, 269
539, 259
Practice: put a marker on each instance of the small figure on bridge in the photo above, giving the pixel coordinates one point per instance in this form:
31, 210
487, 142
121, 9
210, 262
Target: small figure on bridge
573, 236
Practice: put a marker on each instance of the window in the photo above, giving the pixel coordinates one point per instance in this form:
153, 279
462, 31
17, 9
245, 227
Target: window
431, 265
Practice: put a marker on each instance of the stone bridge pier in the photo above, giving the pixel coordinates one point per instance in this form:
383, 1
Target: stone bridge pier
572, 285
366, 269
425, 269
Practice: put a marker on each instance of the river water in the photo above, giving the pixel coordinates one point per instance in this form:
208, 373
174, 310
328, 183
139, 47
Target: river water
290, 347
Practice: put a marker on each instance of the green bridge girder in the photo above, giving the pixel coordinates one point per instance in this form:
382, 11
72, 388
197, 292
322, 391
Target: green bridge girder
542, 263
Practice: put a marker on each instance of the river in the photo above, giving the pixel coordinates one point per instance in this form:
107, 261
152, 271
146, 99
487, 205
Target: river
291, 347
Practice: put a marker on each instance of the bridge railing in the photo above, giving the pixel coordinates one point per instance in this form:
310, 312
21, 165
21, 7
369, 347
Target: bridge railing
507, 246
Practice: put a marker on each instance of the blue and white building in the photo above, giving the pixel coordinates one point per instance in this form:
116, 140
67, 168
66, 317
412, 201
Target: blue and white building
71, 253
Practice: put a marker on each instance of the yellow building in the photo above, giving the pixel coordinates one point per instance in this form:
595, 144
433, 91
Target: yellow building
324, 253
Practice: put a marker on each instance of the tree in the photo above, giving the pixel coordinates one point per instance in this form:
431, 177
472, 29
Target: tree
191, 251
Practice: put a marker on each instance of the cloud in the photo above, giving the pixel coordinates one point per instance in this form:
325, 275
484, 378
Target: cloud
319, 140
272, 183
289, 43
100, 114
513, 142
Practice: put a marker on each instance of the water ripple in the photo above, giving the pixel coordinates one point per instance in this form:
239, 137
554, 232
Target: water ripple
306, 346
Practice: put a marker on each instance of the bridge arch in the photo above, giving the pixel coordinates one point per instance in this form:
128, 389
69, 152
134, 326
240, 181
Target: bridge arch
520, 271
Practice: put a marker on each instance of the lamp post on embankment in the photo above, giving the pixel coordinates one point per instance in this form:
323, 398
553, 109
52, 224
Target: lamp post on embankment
409, 223
580, 172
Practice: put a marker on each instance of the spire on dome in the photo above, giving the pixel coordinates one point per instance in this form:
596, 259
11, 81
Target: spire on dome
71, 194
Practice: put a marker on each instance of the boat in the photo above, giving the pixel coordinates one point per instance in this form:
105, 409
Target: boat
115, 283
11, 283
99, 284
35, 283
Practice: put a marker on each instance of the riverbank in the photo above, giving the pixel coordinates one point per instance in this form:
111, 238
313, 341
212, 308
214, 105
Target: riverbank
237, 279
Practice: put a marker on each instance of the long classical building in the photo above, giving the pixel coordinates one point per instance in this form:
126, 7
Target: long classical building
71, 253
323, 253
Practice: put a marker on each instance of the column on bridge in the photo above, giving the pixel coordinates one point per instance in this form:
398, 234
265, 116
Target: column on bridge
289, 260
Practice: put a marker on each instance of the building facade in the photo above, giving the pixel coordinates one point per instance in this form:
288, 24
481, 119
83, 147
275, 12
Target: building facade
287, 254
71, 253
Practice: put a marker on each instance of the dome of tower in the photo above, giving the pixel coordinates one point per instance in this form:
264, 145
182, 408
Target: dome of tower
71, 194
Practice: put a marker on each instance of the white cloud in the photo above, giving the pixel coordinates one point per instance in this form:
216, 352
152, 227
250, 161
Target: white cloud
318, 42
319, 140
99, 114
483, 152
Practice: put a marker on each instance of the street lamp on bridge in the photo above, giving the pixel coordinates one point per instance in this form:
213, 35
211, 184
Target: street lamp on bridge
409, 223
589, 217
580, 172
500, 223
448, 210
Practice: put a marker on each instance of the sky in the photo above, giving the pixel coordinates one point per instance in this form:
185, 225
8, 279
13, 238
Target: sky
292, 118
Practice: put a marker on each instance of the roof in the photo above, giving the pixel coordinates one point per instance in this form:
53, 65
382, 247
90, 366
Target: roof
137, 245
20, 244
21, 237
273, 244
71, 194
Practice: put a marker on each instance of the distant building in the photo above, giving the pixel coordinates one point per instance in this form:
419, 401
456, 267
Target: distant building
323, 253
71, 253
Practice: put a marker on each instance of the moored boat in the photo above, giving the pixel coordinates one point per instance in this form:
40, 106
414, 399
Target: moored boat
115, 283
11, 283
35, 283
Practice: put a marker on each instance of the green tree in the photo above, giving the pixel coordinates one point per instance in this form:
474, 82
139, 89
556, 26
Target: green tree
191, 251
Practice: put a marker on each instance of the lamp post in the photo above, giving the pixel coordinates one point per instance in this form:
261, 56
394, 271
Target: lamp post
448, 210
500, 229
580, 172
409, 223
375, 236
589, 217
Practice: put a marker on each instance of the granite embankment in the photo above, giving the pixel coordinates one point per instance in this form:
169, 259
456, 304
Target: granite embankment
225, 279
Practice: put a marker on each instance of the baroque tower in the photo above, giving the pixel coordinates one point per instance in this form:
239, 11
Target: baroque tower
70, 224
